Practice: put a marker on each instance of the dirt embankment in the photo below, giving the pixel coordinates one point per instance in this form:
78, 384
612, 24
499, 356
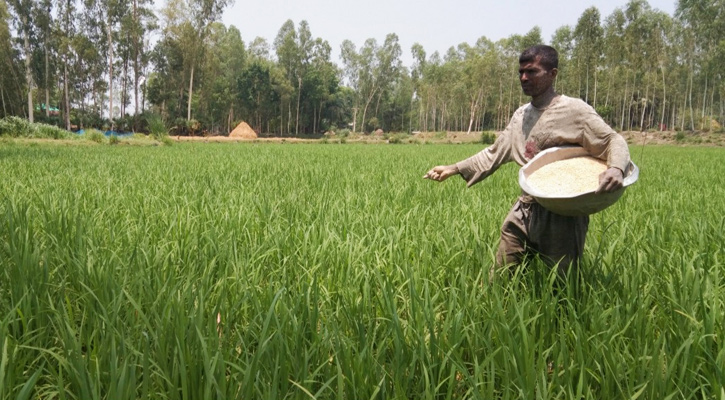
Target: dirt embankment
632, 137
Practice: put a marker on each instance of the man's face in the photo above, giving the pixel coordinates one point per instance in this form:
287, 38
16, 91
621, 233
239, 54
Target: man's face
535, 79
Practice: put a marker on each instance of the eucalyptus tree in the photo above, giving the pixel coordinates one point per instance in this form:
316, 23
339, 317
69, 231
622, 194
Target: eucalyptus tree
371, 72
587, 52
165, 84
259, 48
351, 61
294, 52
11, 90
321, 81
478, 67
65, 32
563, 42
224, 61
142, 24
704, 21
44, 29
617, 68
416, 77
23, 11
188, 23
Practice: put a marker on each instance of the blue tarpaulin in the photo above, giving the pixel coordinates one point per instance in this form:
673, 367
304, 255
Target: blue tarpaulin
110, 133
117, 133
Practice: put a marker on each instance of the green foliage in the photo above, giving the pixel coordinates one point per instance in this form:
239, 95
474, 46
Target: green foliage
680, 136
156, 126
488, 137
397, 138
351, 282
51, 132
95, 135
15, 127
605, 111
113, 139
19, 127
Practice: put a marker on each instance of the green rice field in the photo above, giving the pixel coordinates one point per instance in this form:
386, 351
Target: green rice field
334, 271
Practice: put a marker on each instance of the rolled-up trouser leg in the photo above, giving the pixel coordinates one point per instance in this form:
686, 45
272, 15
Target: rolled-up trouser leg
529, 227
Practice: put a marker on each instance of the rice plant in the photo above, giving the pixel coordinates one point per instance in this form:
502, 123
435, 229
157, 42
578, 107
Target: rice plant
301, 271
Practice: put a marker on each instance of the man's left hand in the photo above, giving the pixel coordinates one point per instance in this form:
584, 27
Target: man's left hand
610, 180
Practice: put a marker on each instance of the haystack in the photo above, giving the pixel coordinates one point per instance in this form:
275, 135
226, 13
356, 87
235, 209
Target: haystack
244, 131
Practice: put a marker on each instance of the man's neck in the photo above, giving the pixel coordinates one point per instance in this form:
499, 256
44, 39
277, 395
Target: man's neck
545, 99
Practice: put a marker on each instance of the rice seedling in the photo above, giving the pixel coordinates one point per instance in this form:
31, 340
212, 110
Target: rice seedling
306, 271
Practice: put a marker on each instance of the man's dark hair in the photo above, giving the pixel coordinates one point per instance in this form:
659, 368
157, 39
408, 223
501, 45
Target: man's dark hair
547, 55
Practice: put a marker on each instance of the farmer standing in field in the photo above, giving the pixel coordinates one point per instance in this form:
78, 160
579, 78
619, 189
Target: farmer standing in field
548, 120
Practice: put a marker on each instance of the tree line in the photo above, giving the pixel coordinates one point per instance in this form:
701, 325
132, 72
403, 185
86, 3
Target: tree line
110, 63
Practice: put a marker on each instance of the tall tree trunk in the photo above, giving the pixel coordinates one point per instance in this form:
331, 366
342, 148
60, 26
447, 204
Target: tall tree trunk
692, 113
644, 108
2, 96
110, 69
124, 85
299, 95
596, 81
704, 105
66, 99
28, 72
191, 92
625, 109
474, 106
365, 110
135, 62
47, 90
664, 99
354, 119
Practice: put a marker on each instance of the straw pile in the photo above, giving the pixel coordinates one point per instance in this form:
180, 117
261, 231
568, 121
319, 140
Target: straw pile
244, 131
568, 177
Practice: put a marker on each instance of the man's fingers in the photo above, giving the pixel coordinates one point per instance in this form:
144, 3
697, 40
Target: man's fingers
608, 185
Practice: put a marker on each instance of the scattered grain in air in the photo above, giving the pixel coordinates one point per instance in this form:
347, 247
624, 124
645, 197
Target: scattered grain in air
568, 177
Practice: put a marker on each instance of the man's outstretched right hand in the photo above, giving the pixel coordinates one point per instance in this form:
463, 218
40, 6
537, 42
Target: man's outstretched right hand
441, 172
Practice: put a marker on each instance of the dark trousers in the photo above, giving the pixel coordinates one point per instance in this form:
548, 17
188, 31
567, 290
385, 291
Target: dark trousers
531, 229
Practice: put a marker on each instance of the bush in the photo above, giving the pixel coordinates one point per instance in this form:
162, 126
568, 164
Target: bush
397, 138
15, 127
113, 139
487, 137
167, 141
680, 136
95, 136
51, 132
157, 128
19, 127
344, 132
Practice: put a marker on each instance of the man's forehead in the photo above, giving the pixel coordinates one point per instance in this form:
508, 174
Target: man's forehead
535, 63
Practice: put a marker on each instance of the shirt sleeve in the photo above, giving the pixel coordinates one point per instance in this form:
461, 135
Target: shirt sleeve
476, 168
602, 141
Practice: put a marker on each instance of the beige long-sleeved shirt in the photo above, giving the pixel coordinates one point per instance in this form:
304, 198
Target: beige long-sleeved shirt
565, 121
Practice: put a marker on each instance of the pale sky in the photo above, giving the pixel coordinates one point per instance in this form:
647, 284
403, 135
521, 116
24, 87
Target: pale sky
436, 24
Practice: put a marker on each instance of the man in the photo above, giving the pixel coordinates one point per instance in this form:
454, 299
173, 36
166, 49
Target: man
548, 120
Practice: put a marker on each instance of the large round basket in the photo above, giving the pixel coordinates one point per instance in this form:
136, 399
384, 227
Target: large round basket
575, 205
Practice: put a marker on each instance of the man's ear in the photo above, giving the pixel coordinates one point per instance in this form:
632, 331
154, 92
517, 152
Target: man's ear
554, 72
